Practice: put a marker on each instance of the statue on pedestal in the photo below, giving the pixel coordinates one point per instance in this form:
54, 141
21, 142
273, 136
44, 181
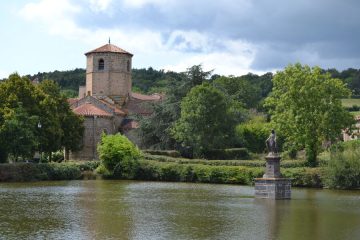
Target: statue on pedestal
271, 143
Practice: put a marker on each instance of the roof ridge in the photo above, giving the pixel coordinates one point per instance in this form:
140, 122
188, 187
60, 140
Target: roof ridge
109, 48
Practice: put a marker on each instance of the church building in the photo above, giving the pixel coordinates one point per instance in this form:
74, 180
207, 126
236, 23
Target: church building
107, 102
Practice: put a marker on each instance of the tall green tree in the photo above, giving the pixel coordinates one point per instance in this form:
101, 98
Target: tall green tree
18, 133
305, 106
204, 123
155, 130
239, 89
60, 126
20, 103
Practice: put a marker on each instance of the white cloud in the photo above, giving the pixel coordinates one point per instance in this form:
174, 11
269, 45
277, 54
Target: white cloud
235, 60
100, 5
49, 10
141, 3
180, 50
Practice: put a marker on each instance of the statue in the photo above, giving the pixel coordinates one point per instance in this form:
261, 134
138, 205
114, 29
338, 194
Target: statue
271, 143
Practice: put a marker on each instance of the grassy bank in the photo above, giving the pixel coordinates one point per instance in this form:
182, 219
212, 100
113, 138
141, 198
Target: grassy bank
159, 168
232, 172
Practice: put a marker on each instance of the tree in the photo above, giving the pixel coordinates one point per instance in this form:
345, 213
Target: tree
204, 123
253, 134
20, 99
60, 126
18, 133
306, 108
155, 130
239, 89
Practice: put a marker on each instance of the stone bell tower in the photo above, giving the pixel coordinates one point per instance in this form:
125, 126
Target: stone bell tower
108, 73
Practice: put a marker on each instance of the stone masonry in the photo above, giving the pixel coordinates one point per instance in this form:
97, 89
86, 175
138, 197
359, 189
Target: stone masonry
272, 185
106, 102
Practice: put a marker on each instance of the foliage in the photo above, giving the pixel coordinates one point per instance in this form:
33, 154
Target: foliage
247, 163
157, 171
343, 169
17, 133
119, 155
228, 153
306, 108
35, 172
204, 123
304, 176
239, 89
253, 134
88, 165
170, 153
155, 129
38, 115
71, 79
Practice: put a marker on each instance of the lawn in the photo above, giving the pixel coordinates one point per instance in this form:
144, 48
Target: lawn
349, 102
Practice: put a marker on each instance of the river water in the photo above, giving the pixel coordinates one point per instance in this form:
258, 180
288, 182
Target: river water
156, 210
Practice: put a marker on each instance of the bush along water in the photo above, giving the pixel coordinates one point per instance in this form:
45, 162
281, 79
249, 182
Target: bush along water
119, 156
343, 168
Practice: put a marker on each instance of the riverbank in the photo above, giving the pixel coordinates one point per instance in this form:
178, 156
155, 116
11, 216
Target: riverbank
26, 172
160, 168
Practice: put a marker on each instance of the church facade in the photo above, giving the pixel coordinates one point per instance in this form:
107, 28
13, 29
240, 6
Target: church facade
106, 102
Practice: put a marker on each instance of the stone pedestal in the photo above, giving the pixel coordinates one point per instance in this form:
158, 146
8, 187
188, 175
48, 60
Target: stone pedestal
272, 185
272, 166
273, 188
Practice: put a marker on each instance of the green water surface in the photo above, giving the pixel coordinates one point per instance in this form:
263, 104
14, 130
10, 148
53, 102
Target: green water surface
157, 210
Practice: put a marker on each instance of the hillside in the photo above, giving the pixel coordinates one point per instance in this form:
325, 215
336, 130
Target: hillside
150, 80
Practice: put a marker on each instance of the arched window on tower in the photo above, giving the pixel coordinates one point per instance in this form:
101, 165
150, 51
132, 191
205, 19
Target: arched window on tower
101, 64
128, 66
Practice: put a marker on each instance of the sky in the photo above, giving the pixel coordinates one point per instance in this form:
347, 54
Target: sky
231, 37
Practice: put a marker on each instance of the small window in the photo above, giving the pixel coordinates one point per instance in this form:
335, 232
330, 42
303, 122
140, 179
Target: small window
128, 66
101, 64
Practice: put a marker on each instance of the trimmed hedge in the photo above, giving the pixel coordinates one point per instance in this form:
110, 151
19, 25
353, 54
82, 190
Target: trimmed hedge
304, 177
229, 153
20, 172
179, 172
169, 153
247, 163
175, 172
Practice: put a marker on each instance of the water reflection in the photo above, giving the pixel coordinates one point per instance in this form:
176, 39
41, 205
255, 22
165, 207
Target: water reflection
153, 210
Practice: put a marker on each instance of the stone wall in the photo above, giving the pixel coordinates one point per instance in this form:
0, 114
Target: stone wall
94, 126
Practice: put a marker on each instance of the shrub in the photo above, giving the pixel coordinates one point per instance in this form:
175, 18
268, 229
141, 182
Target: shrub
230, 153
304, 176
57, 156
88, 165
343, 168
253, 134
35, 172
160, 171
247, 163
118, 155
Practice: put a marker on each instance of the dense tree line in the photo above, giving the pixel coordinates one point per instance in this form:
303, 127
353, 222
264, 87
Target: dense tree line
233, 107
151, 80
35, 117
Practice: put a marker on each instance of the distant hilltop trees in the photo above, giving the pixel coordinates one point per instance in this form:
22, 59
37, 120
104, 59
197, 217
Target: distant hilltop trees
151, 80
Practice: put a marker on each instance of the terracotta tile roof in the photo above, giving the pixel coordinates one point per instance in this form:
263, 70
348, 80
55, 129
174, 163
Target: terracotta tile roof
71, 101
116, 109
109, 48
153, 97
89, 109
